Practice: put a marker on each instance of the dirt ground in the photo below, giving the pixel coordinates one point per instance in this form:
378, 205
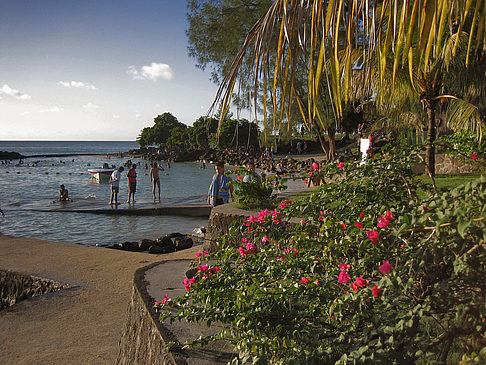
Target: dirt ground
80, 325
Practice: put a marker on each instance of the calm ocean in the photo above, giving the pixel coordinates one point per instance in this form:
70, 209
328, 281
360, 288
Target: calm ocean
28, 188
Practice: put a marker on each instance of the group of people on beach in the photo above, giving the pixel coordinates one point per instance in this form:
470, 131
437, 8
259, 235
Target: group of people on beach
132, 182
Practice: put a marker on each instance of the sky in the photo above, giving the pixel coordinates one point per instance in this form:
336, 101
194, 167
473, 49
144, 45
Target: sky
97, 70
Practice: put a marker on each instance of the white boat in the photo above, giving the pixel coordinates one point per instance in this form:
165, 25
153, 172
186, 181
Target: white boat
101, 174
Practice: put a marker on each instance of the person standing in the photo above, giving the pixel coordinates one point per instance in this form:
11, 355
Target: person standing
132, 183
154, 177
220, 189
115, 184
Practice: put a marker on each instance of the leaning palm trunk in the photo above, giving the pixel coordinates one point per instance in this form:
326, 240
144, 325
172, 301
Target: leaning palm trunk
431, 135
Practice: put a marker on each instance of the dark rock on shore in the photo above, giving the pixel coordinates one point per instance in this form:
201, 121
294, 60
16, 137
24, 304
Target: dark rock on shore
4, 155
183, 243
145, 244
130, 246
166, 244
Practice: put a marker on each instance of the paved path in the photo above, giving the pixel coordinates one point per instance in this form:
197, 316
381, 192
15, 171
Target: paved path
80, 325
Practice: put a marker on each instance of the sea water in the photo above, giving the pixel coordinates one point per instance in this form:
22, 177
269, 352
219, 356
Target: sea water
28, 188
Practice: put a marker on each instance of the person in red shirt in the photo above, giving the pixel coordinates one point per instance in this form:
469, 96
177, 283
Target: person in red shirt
132, 183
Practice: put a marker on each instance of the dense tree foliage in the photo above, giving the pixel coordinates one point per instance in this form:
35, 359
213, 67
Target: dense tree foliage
217, 29
167, 131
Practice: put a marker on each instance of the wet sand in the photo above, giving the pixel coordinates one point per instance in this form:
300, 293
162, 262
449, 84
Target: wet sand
80, 325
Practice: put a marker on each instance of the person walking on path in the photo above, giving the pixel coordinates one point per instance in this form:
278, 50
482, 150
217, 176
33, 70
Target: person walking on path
132, 183
154, 177
115, 185
220, 190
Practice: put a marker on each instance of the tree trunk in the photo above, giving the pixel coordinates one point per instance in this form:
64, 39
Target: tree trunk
324, 146
431, 134
331, 133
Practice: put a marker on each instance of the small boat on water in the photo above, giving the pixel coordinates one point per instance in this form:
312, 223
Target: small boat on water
102, 174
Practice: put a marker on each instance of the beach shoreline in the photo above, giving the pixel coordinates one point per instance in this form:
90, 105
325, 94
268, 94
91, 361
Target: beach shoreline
80, 324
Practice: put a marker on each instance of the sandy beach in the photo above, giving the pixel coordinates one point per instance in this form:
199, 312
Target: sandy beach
78, 325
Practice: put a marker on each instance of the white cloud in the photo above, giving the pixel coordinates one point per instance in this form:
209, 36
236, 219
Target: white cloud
55, 109
137, 116
116, 116
153, 72
77, 84
92, 108
7, 90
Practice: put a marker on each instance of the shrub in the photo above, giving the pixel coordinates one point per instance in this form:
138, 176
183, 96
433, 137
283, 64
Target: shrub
364, 272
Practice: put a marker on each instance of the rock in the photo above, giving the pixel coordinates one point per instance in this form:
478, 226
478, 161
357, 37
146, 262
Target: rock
115, 246
130, 246
145, 244
176, 234
183, 243
154, 249
166, 244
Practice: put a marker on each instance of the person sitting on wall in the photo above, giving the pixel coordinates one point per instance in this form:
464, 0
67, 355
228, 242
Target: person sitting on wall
64, 194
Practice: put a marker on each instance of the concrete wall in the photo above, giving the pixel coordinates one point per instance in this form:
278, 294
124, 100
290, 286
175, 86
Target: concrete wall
144, 337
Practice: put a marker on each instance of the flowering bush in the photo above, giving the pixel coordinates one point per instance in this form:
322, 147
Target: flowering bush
305, 284
256, 193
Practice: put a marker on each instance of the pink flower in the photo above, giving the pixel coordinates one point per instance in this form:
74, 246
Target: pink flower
265, 239
382, 222
198, 254
156, 303
358, 225
361, 215
344, 277
340, 165
388, 215
244, 240
343, 267
355, 287
361, 282
252, 219
344, 226
385, 268
321, 218
425, 208
165, 299
304, 280
474, 156
281, 205
206, 253
376, 291
316, 281
315, 166
202, 267
374, 236
242, 251
250, 246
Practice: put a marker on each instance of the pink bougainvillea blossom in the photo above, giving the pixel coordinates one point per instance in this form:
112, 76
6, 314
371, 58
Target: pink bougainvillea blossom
265, 239
250, 246
343, 267
340, 165
355, 287
244, 240
242, 251
344, 277
361, 215
374, 236
188, 282
361, 282
315, 166
388, 215
156, 303
382, 222
198, 254
316, 282
358, 225
206, 253
304, 280
385, 268
474, 156
344, 226
376, 291
165, 299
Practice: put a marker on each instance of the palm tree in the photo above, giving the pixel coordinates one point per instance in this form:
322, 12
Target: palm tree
334, 40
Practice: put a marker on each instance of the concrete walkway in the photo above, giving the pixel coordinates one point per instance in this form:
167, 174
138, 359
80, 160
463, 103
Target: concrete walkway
80, 325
